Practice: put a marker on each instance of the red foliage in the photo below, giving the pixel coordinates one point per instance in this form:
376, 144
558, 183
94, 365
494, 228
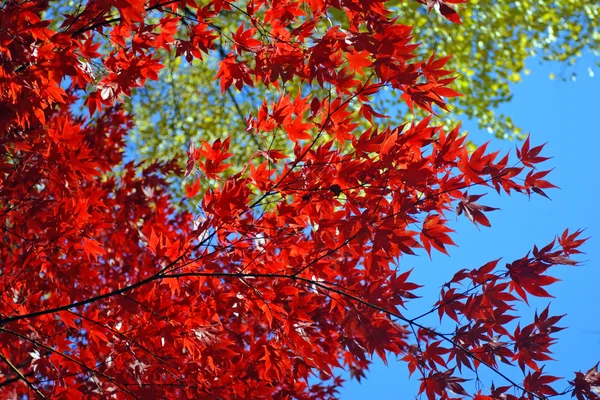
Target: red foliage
109, 290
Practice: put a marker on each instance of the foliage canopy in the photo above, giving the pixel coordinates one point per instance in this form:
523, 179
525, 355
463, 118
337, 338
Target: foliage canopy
291, 264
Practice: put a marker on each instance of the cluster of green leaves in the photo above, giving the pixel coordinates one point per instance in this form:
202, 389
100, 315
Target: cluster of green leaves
185, 105
490, 48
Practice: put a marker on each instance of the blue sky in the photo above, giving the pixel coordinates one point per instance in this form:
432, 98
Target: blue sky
567, 116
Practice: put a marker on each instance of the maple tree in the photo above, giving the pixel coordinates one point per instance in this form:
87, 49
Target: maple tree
290, 266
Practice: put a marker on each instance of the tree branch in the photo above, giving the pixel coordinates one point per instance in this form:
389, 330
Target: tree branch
22, 377
370, 305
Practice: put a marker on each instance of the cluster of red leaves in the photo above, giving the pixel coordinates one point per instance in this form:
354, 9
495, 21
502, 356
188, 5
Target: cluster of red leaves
109, 290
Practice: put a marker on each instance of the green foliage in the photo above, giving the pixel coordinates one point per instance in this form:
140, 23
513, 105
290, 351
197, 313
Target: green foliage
185, 105
496, 38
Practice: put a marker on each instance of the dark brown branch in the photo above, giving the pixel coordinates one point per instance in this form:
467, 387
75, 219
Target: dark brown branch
67, 357
8, 381
22, 377
66, 307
